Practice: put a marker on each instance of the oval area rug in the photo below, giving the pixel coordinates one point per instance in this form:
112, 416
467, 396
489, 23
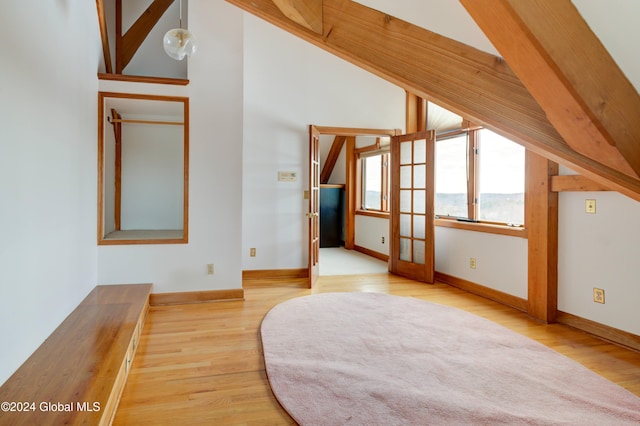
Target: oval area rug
379, 359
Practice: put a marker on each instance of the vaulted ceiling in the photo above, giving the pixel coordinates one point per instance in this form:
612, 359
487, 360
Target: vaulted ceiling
556, 90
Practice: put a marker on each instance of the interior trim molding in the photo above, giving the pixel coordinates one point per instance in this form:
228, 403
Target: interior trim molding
602, 331
143, 79
260, 274
562, 183
372, 253
258, 278
179, 298
490, 228
486, 292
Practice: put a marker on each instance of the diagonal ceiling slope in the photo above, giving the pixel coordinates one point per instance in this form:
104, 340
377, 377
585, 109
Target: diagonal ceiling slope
474, 84
570, 73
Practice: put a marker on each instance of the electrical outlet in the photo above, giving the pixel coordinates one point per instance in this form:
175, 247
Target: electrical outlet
590, 206
252, 252
598, 295
209, 268
472, 262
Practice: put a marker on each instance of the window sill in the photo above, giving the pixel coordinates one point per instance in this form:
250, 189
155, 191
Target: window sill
163, 236
381, 215
483, 227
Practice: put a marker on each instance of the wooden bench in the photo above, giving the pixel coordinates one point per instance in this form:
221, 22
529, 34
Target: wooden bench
77, 375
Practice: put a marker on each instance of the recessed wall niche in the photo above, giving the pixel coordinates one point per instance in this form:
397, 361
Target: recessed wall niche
143, 158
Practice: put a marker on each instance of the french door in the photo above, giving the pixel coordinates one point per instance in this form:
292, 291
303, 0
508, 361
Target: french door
314, 205
412, 213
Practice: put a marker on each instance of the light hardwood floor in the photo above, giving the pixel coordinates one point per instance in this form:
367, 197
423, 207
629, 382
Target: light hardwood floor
202, 363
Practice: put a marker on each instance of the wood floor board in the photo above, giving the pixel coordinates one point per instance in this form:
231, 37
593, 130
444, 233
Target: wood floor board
203, 363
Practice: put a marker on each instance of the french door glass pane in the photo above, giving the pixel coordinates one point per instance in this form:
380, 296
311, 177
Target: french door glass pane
420, 177
419, 201
405, 225
405, 177
405, 249
418, 226
418, 252
420, 151
405, 153
405, 201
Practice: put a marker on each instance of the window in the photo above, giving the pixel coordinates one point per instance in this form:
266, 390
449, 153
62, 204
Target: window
480, 177
374, 181
143, 154
451, 177
500, 179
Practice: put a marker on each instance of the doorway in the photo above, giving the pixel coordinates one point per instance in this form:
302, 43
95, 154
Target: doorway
345, 139
340, 261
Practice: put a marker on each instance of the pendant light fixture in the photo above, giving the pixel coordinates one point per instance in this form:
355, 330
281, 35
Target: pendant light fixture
179, 42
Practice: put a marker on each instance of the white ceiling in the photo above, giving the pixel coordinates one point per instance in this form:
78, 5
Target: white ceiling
613, 21
445, 17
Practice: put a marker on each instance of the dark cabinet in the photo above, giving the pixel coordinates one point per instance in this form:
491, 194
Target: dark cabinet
331, 215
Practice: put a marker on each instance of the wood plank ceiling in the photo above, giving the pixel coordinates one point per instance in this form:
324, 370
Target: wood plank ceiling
559, 93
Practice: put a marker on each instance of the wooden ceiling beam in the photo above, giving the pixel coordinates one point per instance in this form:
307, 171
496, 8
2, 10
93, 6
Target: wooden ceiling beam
133, 38
332, 158
416, 110
467, 81
569, 72
104, 35
307, 13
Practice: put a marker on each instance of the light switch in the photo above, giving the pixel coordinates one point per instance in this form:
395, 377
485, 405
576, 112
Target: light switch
590, 206
287, 176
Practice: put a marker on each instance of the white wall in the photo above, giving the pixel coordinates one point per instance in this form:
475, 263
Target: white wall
48, 110
109, 178
290, 84
215, 169
152, 176
339, 174
600, 250
501, 261
370, 231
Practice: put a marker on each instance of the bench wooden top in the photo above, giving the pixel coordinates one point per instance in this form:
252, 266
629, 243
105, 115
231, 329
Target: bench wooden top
78, 363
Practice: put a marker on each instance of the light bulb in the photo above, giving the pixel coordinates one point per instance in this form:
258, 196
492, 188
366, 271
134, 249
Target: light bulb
179, 43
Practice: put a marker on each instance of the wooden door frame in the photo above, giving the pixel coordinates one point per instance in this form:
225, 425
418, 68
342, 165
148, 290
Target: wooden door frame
351, 172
